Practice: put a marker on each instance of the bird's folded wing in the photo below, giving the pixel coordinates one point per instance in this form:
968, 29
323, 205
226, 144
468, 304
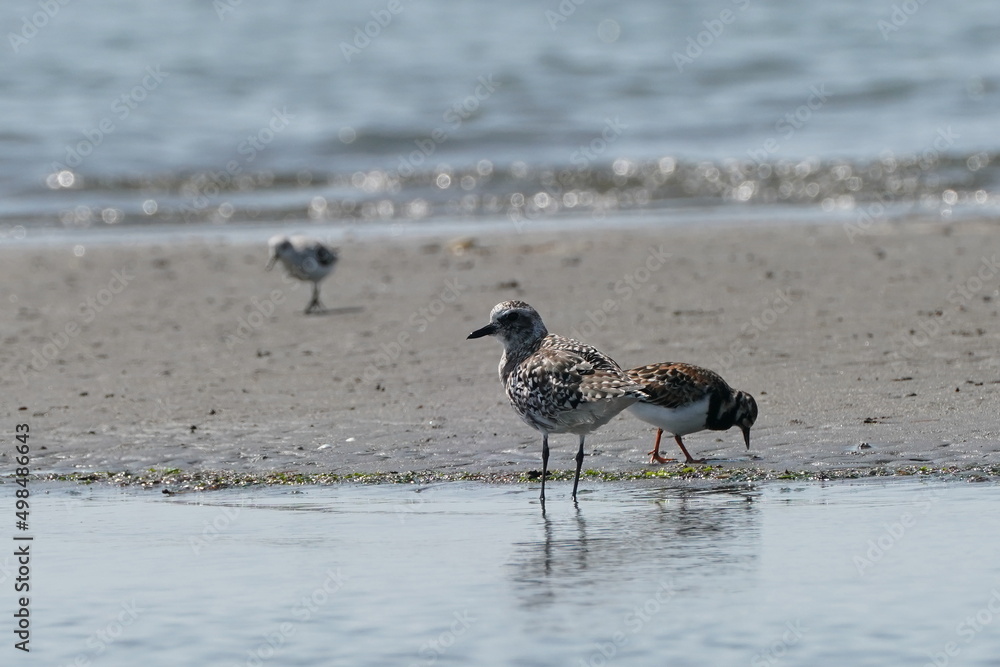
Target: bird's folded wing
325, 256
568, 379
582, 351
672, 385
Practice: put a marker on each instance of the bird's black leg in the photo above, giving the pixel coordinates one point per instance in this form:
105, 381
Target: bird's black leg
314, 304
545, 463
579, 465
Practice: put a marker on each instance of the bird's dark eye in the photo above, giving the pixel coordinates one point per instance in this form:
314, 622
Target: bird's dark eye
510, 318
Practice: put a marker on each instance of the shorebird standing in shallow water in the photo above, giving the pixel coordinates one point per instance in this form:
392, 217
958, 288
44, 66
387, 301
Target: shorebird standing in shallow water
556, 384
684, 399
306, 259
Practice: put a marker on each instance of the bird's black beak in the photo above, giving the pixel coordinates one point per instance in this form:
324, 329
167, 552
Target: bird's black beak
746, 436
488, 330
270, 262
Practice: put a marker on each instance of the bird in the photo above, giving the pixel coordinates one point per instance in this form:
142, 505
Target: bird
556, 384
304, 258
684, 398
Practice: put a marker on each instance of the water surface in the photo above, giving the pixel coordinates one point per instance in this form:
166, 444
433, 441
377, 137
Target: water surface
217, 112
861, 574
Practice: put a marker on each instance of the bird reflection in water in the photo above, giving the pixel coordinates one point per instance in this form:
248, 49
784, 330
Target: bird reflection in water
662, 535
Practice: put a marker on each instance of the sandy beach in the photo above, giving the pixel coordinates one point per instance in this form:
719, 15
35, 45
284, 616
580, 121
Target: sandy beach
876, 350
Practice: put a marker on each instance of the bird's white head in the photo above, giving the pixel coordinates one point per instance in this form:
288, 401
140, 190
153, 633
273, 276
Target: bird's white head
278, 246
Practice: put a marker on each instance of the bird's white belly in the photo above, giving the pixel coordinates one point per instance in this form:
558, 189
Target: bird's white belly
682, 420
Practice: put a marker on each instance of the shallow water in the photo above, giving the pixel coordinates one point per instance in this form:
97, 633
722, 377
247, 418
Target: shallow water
860, 574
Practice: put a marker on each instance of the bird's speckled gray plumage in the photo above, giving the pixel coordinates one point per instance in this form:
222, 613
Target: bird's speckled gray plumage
556, 384
684, 398
304, 258
564, 386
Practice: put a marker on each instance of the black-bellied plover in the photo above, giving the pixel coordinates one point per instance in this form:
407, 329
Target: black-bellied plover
684, 399
306, 259
556, 384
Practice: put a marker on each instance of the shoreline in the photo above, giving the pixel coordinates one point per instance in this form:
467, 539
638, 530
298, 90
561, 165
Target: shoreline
197, 359
172, 482
248, 233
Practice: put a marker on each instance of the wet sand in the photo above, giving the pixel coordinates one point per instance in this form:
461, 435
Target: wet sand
191, 356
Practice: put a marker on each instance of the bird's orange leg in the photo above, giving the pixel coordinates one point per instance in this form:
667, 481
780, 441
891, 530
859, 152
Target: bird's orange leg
655, 454
680, 444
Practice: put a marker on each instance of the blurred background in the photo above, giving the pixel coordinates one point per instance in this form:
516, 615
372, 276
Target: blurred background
203, 112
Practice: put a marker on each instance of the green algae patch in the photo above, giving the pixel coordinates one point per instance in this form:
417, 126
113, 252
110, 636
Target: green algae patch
175, 480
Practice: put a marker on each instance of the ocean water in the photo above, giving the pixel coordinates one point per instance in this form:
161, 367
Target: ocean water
782, 574
202, 112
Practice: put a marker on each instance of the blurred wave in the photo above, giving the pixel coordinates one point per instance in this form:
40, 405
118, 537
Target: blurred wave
928, 182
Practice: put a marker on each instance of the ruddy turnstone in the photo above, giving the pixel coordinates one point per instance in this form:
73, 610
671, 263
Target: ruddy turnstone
306, 259
556, 384
684, 399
